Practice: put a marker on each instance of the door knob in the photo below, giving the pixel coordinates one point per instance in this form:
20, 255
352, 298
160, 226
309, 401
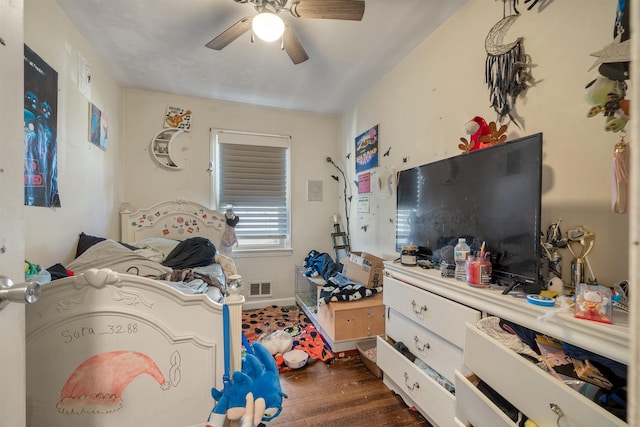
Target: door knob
25, 293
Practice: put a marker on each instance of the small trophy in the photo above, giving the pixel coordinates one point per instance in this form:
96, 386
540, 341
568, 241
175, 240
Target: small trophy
584, 241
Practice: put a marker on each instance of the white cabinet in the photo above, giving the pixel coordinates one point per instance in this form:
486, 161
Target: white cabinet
436, 319
163, 148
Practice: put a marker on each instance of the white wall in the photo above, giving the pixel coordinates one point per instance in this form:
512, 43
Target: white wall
423, 104
90, 180
313, 138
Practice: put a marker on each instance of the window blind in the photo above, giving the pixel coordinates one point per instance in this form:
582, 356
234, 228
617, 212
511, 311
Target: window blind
252, 177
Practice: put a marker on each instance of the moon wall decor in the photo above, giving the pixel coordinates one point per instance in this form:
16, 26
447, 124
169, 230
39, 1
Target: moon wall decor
162, 148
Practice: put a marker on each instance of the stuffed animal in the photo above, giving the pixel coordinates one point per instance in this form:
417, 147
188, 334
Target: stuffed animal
608, 97
475, 127
252, 395
278, 342
229, 237
482, 135
262, 367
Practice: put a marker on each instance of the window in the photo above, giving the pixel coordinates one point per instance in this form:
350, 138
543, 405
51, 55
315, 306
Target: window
252, 175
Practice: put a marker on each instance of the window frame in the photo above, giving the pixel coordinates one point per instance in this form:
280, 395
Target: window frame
258, 139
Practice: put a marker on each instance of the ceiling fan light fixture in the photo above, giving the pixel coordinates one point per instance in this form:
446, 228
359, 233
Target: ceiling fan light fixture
268, 26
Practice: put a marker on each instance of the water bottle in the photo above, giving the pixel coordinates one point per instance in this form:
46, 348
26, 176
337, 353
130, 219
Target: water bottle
460, 255
555, 264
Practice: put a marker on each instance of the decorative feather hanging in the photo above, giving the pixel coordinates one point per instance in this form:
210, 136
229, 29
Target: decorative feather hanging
506, 69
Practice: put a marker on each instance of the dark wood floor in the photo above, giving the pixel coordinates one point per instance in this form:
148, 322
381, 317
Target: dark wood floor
344, 393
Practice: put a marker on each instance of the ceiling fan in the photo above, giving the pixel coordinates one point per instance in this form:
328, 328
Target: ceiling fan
268, 11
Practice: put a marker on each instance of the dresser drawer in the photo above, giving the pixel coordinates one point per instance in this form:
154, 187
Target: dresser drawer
435, 351
532, 390
416, 388
440, 315
474, 408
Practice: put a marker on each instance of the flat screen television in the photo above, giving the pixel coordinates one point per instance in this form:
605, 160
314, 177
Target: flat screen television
491, 195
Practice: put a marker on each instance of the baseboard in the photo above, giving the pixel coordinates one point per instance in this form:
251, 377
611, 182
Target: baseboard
253, 304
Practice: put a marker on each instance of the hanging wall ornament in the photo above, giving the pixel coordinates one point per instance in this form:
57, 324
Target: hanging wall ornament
506, 69
620, 176
613, 59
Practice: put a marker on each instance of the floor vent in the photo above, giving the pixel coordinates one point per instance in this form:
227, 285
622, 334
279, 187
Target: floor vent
262, 289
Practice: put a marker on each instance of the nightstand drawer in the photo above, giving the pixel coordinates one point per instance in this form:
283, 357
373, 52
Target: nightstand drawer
533, 391
435, 351
440, 315
415, 387
474, 408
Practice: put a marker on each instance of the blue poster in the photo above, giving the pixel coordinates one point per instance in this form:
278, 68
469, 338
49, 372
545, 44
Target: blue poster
40, 132
367, 150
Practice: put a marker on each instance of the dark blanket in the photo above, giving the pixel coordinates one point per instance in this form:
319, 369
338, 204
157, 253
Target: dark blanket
340, 288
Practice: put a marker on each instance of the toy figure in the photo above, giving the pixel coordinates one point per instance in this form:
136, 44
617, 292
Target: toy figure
608, 97
254, 394
593, 302
482, 135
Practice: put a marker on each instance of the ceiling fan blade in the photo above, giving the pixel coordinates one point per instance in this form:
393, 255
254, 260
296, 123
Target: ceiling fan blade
352, 10
293, 47
230, 34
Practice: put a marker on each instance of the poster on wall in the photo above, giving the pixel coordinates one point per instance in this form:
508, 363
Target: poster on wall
98, 127
367, 150
40, 132
178, 118
364, 183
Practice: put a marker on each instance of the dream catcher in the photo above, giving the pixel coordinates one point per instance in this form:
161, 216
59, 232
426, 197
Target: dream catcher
507, 68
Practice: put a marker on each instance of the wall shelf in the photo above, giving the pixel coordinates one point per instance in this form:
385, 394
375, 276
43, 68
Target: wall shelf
162, 148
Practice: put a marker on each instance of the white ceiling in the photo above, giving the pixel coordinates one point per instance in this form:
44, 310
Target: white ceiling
159, 45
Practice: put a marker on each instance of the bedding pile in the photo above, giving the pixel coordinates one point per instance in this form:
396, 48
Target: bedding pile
192, 266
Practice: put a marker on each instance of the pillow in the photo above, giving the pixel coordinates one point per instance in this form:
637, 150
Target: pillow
165, 246
86, 241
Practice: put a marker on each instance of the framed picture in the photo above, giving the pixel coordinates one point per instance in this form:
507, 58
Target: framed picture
367, 150
98, 127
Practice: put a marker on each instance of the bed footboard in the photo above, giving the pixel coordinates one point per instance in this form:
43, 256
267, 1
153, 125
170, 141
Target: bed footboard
116, 350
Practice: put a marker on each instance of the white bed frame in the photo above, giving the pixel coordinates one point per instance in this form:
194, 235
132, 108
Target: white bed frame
105, 349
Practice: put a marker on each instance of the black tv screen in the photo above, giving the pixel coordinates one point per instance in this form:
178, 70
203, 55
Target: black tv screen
491, 195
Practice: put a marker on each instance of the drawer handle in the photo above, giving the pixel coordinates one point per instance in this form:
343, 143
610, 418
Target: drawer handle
411, 387
419, 345
419, 310
556, 410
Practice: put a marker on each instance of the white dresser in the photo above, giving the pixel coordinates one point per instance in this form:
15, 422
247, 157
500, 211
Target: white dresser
436, 319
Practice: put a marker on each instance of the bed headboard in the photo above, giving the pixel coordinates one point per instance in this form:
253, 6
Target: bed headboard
178, 220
